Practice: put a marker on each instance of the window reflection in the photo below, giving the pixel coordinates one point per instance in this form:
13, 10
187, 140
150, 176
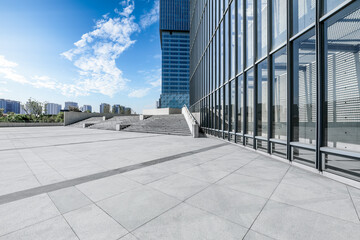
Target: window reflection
343, 82
303, 14
261, 28
304, 89
249, 33
232, 106
239, 103
331, 4
240, 36
278, 22
250, 102
262, 103
279, 98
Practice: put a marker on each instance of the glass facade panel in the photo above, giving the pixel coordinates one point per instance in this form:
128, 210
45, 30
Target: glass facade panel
221, 105
304, 89
303, 14
345, 166
279, 33
343, 81
240, 106
262, 102
221, 53
232, 106
261, 28
279, 95
226, 108
240, 35
305, 156
233, 40
249, 33
227, 47
250, 102
331, 4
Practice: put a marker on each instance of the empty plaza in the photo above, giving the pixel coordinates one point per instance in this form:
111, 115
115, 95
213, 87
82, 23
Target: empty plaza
73, 183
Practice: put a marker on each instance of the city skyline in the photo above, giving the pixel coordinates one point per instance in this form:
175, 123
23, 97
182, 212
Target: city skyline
118, 37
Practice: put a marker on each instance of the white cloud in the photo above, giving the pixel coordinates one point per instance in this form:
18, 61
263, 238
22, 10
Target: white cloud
94, 56
3, 90
95, 53
8, 72
150, 17
4, 63
44, 82
139, 93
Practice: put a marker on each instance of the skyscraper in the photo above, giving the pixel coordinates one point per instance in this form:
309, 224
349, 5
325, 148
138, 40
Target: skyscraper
71, 104
105, 108
174, 37
86, 108
52, 108
281, 77
10, 106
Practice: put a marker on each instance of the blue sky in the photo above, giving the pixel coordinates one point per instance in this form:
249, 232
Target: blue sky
88, 51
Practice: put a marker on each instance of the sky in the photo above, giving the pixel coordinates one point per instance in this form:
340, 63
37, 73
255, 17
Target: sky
87, 51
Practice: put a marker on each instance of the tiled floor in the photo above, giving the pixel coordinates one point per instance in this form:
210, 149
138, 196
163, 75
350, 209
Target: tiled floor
226, 192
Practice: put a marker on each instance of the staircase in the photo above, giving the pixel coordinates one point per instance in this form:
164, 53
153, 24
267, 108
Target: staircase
174, 124
89, 121
110, 124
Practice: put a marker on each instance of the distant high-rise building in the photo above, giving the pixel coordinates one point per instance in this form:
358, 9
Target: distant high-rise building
10, 106
52, 108
104, 108
174, 37
71, 104
117, 108
86, 108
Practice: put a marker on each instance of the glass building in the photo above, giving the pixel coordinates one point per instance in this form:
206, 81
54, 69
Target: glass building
174, 35
280, 76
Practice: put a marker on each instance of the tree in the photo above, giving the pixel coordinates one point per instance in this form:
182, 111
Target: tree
74, 109
128, 111
33, 107
114, 109
1, 112
106, 108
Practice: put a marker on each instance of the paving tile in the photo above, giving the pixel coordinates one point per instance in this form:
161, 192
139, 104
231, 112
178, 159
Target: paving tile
227, 165
186, 222
90, 222
253, 185
263, 172
241, 208
69, 199
355, 192
322, 201
147, 175
252, 235
204, 174
281, 221
11, 185
176, 165
25, 212
139, 206
106, 187
128, 237
54, 229
179, 186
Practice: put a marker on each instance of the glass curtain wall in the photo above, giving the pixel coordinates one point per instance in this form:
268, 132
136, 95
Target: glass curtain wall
297, 93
